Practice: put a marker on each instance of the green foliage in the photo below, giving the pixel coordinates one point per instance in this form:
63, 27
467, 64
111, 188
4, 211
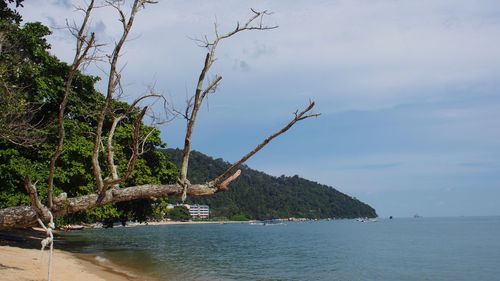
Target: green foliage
179, 213
104, 213
160, 209
39, 77
138, 210
9, 14
239, 217
257, 195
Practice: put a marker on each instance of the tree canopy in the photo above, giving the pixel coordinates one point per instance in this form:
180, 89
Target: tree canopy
9, 14
33, 79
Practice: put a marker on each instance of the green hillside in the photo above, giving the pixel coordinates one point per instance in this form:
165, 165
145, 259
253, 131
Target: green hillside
257, 195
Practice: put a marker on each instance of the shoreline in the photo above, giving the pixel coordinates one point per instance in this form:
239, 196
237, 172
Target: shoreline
156, 223
30, 264
189, 222
21, 258
106, 267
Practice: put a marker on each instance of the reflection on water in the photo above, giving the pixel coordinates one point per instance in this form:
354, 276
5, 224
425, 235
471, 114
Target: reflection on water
399, 249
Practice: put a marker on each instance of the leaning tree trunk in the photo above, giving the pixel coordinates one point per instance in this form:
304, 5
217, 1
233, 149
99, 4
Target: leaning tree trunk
25, 216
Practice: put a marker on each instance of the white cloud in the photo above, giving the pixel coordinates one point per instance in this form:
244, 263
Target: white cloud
350, 54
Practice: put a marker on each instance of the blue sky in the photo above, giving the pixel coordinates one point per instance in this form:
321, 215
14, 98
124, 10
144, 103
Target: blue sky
408, 91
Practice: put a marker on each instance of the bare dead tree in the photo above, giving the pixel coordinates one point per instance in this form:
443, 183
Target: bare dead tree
113, 84
85, 42
26, 216
255, 22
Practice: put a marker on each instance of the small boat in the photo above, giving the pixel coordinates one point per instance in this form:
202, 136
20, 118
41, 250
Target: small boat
367, 220
272, 222
69, 227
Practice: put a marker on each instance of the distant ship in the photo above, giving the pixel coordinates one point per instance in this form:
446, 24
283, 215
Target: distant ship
417, 216
366, 220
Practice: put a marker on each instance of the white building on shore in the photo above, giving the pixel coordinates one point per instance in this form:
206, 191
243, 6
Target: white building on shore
199, 211
196, 211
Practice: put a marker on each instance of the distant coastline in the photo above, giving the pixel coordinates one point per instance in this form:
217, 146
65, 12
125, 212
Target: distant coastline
167, 222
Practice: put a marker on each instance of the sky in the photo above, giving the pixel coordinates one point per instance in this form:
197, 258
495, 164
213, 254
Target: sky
408, 91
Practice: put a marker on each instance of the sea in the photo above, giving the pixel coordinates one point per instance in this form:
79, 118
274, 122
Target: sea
460, 248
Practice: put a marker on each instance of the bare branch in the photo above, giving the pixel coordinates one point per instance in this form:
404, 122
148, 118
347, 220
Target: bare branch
247, 26
304, 114
191, 121
225, 184
144, 141
82, 48
212, 87
158, 119
141, 98
136, 142
112, 168
41, 211
111, 150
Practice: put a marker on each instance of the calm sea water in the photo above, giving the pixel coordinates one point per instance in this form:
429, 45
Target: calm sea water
398, 249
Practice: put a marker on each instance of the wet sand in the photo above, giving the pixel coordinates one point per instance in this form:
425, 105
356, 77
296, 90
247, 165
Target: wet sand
30, 264
21, 259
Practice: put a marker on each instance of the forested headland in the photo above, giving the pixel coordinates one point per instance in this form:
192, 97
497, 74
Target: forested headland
257, 195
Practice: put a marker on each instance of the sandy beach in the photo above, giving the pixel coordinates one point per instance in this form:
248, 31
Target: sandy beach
21, 259
29, 264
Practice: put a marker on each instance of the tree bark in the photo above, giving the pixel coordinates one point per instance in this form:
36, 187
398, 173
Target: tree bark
25, 216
